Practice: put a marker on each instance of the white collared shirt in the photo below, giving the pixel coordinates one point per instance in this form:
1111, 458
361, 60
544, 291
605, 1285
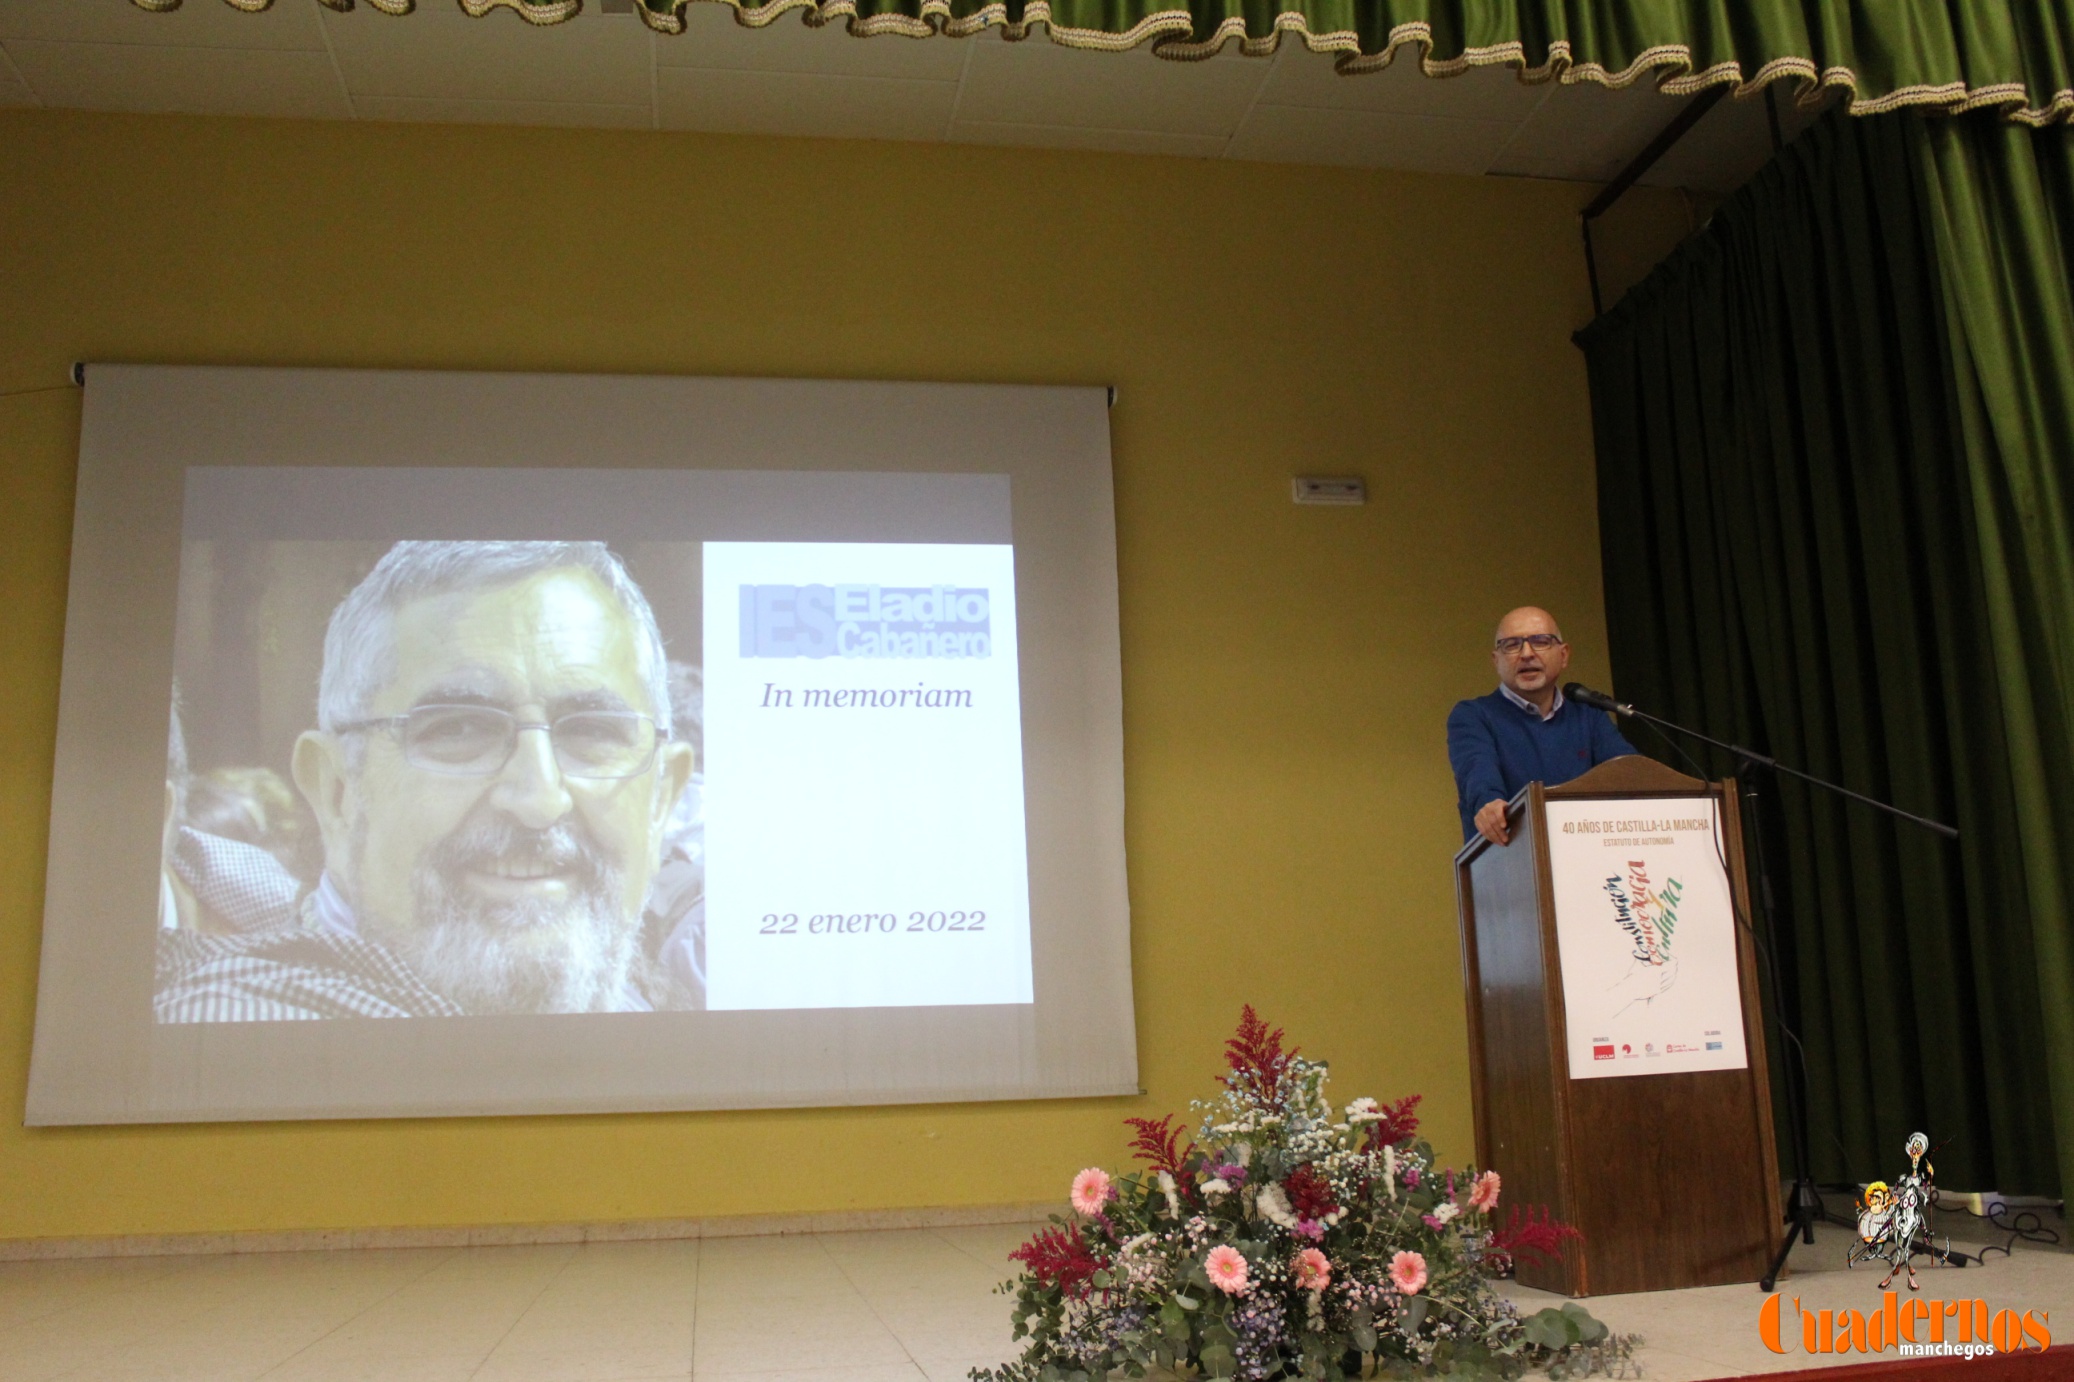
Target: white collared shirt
1532, 709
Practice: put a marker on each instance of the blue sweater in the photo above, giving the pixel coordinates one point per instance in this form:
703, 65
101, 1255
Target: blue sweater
1497, 748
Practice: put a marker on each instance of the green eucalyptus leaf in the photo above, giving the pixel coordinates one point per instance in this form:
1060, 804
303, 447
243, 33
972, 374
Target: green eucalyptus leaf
1589, 1329
1218, 1360
1187, 1302
1363, 1337
1552, 1329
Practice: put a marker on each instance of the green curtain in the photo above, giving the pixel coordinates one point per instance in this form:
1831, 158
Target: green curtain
2016, 56
1834, 443
2002, 214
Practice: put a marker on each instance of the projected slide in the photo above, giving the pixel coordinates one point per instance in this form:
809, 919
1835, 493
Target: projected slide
866, 789
449, 744
450, 778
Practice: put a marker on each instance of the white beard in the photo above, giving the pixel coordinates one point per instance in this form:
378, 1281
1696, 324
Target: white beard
576, 955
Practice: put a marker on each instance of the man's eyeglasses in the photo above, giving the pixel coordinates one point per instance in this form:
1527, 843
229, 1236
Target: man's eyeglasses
478, 740
1539, 642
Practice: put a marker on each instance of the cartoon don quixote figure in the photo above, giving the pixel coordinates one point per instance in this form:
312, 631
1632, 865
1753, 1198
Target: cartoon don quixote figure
1894, 1220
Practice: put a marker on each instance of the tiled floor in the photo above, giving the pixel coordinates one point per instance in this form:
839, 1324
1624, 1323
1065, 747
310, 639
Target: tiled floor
913, 1305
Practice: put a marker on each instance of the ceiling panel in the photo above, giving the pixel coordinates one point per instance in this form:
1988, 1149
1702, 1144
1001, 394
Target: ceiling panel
798, 103
455, 111
13, 90
1037, 82
1369, 139
438, 65
438, 52
207, 81
1080, 137
1304, 78
1587, 132
712, 38
1730, 142
1727, 147
287, 24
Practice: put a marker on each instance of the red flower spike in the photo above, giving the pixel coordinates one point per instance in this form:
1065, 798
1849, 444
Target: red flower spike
1158, 1144
1309, 1194
1256, 1057
1526, 1238
1061, 1258
1398, 1124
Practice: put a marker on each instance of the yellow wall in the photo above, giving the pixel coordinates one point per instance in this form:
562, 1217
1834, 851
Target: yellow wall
1286, 671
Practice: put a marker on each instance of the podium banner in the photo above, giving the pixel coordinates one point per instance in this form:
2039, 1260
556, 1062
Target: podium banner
1645, 931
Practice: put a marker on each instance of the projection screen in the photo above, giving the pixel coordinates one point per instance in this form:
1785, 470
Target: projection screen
438, 744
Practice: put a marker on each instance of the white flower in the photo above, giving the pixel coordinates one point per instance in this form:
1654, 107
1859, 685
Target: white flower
1142, 1268
1216, 1186
1166, 1187
1242, 1153
1390, 1170
1448, 1210
1274, 1207
1363, 1110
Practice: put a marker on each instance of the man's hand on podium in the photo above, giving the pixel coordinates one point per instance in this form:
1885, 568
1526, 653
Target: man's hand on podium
1490, 823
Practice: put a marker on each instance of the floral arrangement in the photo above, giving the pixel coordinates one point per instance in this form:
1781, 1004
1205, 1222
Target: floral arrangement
1289, 1239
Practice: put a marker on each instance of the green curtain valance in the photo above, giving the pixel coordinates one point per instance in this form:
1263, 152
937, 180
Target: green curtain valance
2015, 56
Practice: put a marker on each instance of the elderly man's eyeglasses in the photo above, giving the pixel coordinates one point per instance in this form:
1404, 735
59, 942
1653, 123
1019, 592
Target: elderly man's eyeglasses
478, 740
1539, 642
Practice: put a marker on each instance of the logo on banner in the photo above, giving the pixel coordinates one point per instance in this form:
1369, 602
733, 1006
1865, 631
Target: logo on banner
865, 621
1648, 915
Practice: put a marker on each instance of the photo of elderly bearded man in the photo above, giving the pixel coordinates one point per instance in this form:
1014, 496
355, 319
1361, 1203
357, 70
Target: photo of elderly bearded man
491, 774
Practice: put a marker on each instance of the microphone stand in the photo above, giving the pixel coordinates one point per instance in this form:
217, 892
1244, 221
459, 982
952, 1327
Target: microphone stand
1806, 1207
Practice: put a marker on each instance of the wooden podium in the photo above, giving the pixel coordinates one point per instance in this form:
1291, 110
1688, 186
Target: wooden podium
1672, 1177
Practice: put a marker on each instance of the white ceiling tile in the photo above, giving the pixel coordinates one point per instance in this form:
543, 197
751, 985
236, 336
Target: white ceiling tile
712, 38
1719, 154
1587, 133
1729, 144
1037, 82
1078, 137
1303, 78
1368, 139
421, 110
438, 52
211, 81
797, 103
196, 24
13, 90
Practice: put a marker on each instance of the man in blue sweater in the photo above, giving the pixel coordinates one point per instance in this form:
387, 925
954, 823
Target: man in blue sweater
1524, 731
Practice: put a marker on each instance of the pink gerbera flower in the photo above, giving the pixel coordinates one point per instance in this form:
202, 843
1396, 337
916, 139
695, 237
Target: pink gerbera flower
1483, 1196
1312, 1270
1091, 1190
1226, 1268
1408, 1272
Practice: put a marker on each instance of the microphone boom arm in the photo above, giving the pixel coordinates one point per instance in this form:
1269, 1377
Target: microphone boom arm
1586, 696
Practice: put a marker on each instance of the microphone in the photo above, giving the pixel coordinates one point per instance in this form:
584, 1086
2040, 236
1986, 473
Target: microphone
1598, 700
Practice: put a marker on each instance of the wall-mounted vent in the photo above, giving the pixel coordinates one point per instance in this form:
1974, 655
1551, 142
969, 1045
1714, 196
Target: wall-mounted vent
1328, 489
